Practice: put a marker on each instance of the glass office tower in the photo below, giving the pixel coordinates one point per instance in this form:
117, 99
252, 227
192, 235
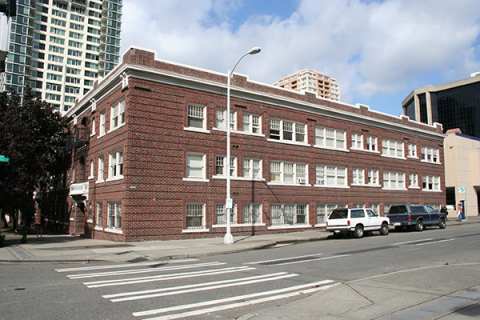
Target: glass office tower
59, 47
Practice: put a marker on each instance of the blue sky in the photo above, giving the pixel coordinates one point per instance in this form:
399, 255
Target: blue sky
379, 51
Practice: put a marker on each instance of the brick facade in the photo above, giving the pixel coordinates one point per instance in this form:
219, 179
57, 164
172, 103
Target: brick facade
155, 141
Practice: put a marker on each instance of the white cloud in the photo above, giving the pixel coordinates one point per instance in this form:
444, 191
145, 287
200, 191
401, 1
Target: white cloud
370, 47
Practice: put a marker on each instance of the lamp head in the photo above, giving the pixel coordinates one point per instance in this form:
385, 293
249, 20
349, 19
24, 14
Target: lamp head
254, 50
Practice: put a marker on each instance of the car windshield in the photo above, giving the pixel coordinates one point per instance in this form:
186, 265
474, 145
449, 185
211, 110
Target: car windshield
339, 214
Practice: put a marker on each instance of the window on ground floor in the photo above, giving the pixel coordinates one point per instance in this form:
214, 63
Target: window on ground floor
195, 216
323, 210
221, 214
115, 215
289, 214
252, 213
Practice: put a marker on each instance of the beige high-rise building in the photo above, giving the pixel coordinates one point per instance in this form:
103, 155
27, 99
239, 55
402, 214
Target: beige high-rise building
311, 81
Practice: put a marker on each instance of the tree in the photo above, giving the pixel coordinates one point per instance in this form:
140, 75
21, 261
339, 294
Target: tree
32, 136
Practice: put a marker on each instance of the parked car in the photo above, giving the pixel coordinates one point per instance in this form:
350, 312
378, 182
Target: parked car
415, 216
356, 221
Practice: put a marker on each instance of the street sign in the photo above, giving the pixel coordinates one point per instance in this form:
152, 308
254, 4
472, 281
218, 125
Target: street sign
229, 204
461, 190
4, 159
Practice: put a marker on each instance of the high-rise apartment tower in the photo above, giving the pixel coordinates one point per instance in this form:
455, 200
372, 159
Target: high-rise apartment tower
312, 81
59, 47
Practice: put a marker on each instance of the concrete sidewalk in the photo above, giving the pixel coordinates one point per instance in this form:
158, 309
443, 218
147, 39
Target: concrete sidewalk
65, 248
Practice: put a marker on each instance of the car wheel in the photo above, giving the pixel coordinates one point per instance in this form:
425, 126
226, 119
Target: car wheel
442, 224
419, 225
358, 233
384, 229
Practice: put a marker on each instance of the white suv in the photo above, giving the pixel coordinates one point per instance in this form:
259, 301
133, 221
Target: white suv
356, 221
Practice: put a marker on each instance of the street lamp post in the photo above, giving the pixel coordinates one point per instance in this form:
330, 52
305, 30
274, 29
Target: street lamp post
229, 203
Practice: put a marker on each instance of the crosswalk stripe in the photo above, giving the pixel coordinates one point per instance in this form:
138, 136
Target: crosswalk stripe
125, 294
282, 259
105, 283
128, 265
303, 289
205, 288
239, 304
146, 270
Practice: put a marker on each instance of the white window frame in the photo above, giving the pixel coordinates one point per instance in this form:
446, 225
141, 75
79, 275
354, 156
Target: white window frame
221, 217
115, 165
221, 119
413, 180
372, 177
324, 175
194, 208
357, 140
284, 128
431, 183
92, 170
93, 127
330, 138
323, 210
114, 220
430, 155
252, 168
393, 180
101, 169
189, 165
98, 216
393, 149
252, 214
221, 163
252, 123
288, 173
412, 151
196, 113
117, 115
285, 220
358, 176
372, 144
102, 124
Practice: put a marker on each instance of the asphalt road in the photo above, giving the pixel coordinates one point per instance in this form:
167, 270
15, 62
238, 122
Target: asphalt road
434, 274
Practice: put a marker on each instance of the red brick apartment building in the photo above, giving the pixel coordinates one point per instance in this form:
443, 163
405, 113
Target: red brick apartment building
148, 149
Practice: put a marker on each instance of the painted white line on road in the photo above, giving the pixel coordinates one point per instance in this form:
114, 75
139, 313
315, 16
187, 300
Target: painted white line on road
432, 242
409, 242
146, 270
325, 258
125, 294
302, 289
119, 282
291, 258
213, 287
128, 265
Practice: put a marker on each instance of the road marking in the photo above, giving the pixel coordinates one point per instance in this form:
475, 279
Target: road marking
206, 286
303, 289
409, 242
129, 265
291, 258
300, 261
432, 242
146, 270
119, 282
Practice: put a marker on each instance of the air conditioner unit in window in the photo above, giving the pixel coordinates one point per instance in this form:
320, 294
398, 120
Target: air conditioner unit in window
301, 180
321, 182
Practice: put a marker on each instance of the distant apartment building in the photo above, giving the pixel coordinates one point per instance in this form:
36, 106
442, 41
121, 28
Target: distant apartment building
59, 47
311, 81
455, 105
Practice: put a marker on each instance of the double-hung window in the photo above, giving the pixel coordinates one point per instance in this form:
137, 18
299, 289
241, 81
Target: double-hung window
220, 214
100, 169
393, 180
392, 148
331, 176
284, 130
116, 165
431, 183
252, 168
372, 177
196, 165
323, 210
252, 213
221, 119
252, 123
99, 214
115, 215
358, 176
289, 214
412, 150
195, 216
288, 172
117, 117
330, 138
196, 116
430, 155
102, 123
357, 141
92, 170
221, 166
413, 180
